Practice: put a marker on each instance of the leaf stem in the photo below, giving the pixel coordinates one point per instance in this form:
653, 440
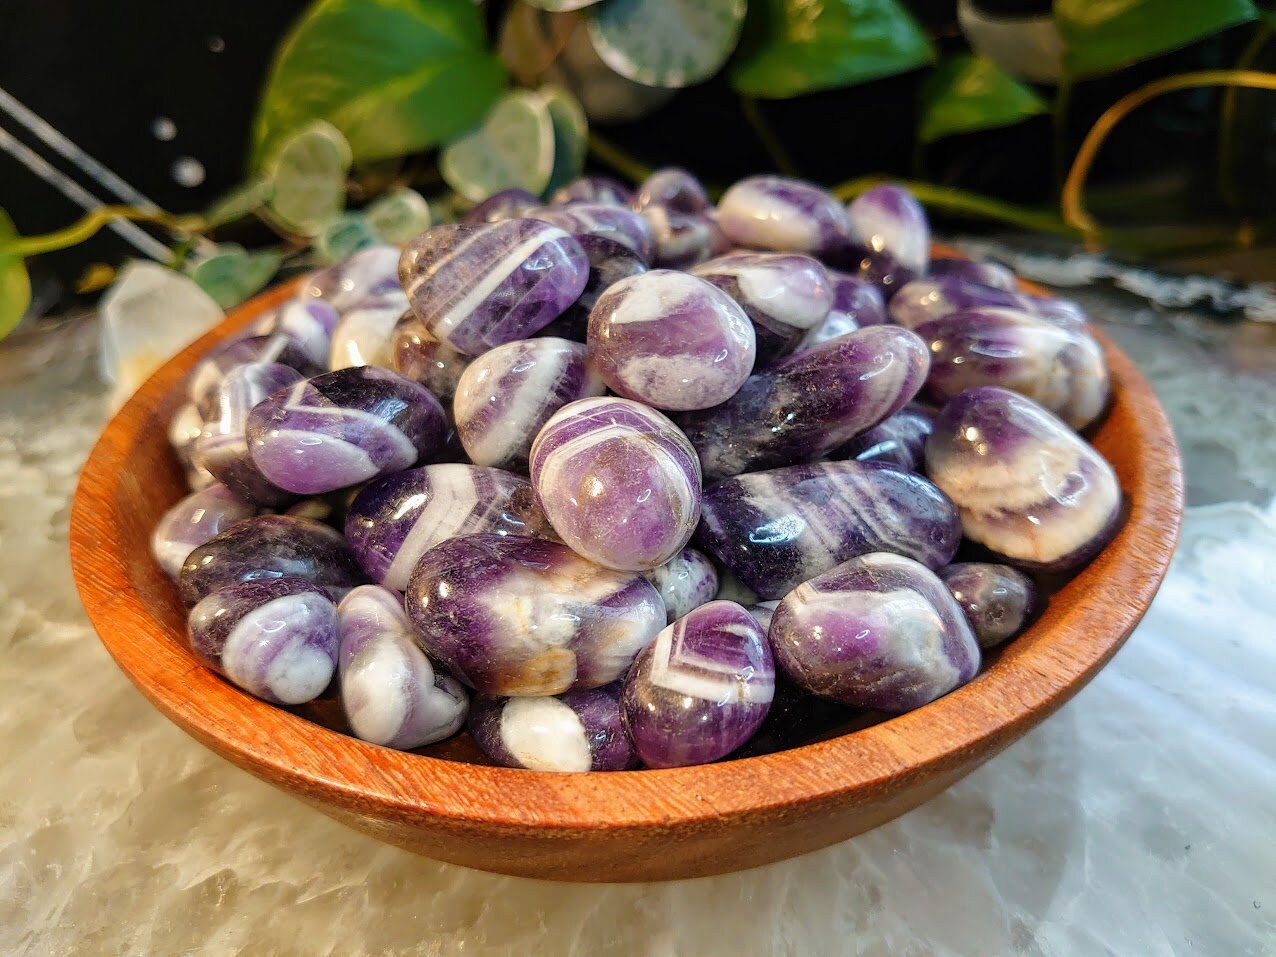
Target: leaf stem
91, 222
767, 137
1227, 118
610, 154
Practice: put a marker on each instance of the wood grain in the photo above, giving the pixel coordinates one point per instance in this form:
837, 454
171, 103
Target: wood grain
631, 826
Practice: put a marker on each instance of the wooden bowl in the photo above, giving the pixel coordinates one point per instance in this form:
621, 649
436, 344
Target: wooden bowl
630, 826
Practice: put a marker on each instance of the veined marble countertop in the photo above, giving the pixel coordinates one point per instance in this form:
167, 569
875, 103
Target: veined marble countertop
1140, 820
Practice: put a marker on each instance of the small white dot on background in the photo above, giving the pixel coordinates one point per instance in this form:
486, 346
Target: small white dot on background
216, 44
162, 128
188, 171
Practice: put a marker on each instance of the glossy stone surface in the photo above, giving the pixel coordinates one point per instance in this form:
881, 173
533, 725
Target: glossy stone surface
267, 547
211, 371
809, 403
390, 692
342, 428
783, 295
478, 286
609, 263
604, 220
682, 222
985, 273
686, 581
371, 273
922, 300
395, 520
510, 615
186, 425
508, 393
420, 355
786, 215
890, 229
997, 600
856, 303
365, 334
507, 204
899, 440
574, 732
276, 639
762, 613
671, 340
193, 521
309, 324
222, 447
672, 189
701, 689
1060, 369
880, 631
593, 189
779, 528
618, 481
1026, 485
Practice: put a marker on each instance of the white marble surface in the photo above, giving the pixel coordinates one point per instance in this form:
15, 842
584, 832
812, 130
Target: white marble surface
1140, 820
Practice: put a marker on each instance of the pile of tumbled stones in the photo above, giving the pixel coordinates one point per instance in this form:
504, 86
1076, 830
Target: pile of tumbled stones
462, 478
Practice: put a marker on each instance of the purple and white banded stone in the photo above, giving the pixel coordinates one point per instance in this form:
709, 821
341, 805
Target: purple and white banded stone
211, 371
672, 189
856, 304
997, 600
344, 427
570, 733
780, 528
618, 481
390, 691
1026, 485
609, 263
1061, 369
371, 273
922, 300
683, 224
268, 547
685, 582
880, 631
517, 616
309, 323
478, 286
420, 355
983, 272
603, 220
898, 440
365, 334
784, 295
785, 215
186, 425
701, 689
194, 520
671, 340
807, 404
395, 520
276, 639
893, 235
507, 204
593, 189
508, 393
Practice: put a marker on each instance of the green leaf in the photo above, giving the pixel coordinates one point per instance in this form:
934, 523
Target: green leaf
1100, 37
395, 76
232, 274
344, 237
240, 202
309, 177
513, 147
968, 93
571, 135
399, 216
793, 47
668, 43
15, 284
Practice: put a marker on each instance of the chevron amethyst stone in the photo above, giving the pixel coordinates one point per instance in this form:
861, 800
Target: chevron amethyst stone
609, 263
371, 273
880, 631
934, 297
1061, 369
701, 689
983, 272
672, 189
670, 340
509, 392
593, 189
779, 528
308, 324
898, 440
395, 520
342, 428
807, 404
890, 229
365, 334
604, 220
682, 222
519, 616
194, 520
390, 691
686, 581
276, 639
222, 447
618, 481
267, 547
420, 355
856, 303
573, 732
783, 295
478, 286
507, 204
211, 371
1026, 485
997, 600
785, 215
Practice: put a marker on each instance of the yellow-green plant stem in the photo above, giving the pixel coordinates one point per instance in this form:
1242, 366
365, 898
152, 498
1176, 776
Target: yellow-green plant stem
1227, 118
91, 222
767, 136
612, 155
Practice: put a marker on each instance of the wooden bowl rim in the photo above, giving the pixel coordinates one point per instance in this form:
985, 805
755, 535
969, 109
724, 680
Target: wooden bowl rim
1098, 609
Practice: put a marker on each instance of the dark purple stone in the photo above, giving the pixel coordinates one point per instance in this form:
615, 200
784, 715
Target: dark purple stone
211, 371
593, 189
193, 521
997, 600
671, 189
891, 237
609, 263
602, 220
574, 732
899, 440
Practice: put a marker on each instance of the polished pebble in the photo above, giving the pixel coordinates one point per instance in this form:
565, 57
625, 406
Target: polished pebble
685, 582
922, 300
186, 425
603, 220
390, 691
1026, 485
371, 273
609, 263
856, 304
682, 222
478, 286
985, 273
762, 613
276, 639
897, 440
880, 631
779, 528
785, 215
507, 204
997, 600
701, 689
309, 323
508, 393
593, 189
889, 228
510, 615
671, 340
618, 481
365, 334
194, 520
570, 733
210, 372
420, 355
342, 428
